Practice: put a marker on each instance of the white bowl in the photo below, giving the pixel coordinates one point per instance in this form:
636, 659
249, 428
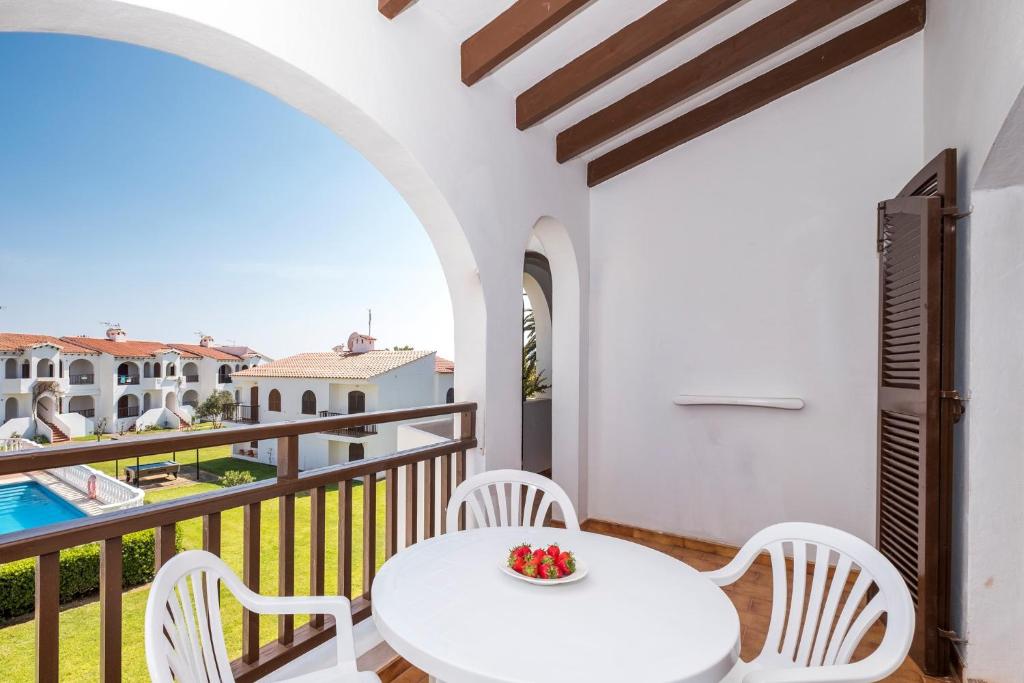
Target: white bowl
581, 571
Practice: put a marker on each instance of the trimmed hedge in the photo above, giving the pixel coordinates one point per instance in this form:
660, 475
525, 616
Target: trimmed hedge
79, 573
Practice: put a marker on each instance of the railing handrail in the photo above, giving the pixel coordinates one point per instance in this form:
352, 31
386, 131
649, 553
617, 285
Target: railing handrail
55, 537
83, 454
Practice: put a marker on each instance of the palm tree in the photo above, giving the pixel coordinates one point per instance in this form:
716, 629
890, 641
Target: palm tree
533, 379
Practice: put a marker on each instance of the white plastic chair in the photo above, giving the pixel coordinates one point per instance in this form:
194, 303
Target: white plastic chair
813, 645
184, 634
507, 498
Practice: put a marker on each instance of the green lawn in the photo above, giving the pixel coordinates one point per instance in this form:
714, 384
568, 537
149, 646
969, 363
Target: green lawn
80, 634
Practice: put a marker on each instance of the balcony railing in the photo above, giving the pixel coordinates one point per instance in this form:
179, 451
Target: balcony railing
223, 379
87, 412
127, 379
191, 379
131, 411
82, 379
241, 412
357, 431
443, 466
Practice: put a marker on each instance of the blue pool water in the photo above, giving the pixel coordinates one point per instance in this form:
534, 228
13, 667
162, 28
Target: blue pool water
28, 504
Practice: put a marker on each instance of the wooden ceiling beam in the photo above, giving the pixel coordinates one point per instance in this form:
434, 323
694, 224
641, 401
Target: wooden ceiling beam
662, 26
817, 63
775, 32
392, 8
510, 32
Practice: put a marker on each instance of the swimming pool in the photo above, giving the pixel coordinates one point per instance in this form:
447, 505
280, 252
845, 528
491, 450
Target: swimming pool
28, 504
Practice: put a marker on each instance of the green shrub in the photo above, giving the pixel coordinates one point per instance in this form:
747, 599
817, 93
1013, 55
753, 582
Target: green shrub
79, 573
236, 477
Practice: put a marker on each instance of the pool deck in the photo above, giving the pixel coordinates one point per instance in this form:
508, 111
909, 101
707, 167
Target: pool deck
68, 493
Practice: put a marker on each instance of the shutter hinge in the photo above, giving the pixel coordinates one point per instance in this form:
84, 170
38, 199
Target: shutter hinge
958, 403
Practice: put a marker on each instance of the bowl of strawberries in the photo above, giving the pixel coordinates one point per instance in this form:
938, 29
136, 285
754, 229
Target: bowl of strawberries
545, 566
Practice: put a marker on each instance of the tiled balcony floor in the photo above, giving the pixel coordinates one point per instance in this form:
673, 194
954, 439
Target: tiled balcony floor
753, 599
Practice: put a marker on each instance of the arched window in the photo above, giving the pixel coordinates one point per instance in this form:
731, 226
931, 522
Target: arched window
11, 369
237, 367
60, 370
308, 403
25, 370
156, 369
274, 401
171, 370
356, 402
450, 396
10, 409
147, 370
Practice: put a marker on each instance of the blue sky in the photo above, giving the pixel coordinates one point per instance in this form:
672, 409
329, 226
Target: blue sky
141, 188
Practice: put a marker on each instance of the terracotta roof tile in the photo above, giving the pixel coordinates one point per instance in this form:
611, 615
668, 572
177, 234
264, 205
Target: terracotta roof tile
206, 352
10, 341
332, 365
127, 349
443, 366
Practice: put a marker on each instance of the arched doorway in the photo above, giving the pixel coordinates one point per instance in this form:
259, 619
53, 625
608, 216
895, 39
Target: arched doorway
147, 402
190, 398
10, 369
356, 402
46, 408
171, 401
537, 378
10, 409
128, 406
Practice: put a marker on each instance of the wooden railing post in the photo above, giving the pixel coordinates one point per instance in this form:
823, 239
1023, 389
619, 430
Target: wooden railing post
165, 544
287, 469
47, 617
345, 538
391, 512
428, 498
369, 532
211, 533
251, 576
110, 609
317, 549
412, 477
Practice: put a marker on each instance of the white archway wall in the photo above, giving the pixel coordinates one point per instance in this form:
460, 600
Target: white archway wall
568, 357
476, 183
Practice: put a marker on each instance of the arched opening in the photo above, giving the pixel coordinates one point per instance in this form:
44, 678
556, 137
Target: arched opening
147, 369
26, 369
537, 379
10, 369
44, 368
147, 402
190, 371
83, 405
128, 406
171, 401
81, 371
127, 373
10, 409
190, 398
356, 452
550, 240
224, 374
449, 397
308, 403
157, 367
171, 369
46, 408
274, 401
356, 402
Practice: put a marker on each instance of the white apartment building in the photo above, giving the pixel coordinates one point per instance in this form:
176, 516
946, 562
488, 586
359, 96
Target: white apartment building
61, 387
348, 379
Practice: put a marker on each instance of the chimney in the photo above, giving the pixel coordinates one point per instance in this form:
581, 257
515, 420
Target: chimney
116, 334
206, 341
360, 343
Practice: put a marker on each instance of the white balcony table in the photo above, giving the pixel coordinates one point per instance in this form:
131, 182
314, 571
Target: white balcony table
639, 615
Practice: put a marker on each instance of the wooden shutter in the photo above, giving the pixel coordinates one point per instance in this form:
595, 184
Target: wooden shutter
916, 400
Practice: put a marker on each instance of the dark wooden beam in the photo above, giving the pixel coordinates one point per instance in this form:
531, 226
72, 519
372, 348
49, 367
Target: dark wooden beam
662, 26
764, 38
850, 47
392, 8
512, 31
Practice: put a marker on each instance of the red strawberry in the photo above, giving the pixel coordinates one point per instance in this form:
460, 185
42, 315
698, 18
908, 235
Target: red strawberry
566, 562
521, 550
531, 568
554, 551
548, 570
539, 554
519, 564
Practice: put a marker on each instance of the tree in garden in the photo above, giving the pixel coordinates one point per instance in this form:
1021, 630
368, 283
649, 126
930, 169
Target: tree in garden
533, 379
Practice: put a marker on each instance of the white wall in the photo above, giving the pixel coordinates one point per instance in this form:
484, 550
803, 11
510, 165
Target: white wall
744, 263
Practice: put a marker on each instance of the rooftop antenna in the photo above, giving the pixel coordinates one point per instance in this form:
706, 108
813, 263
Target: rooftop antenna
232, 342
199, 334
109, 324
369, 323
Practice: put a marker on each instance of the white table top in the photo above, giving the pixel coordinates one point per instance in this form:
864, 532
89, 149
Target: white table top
639, 615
